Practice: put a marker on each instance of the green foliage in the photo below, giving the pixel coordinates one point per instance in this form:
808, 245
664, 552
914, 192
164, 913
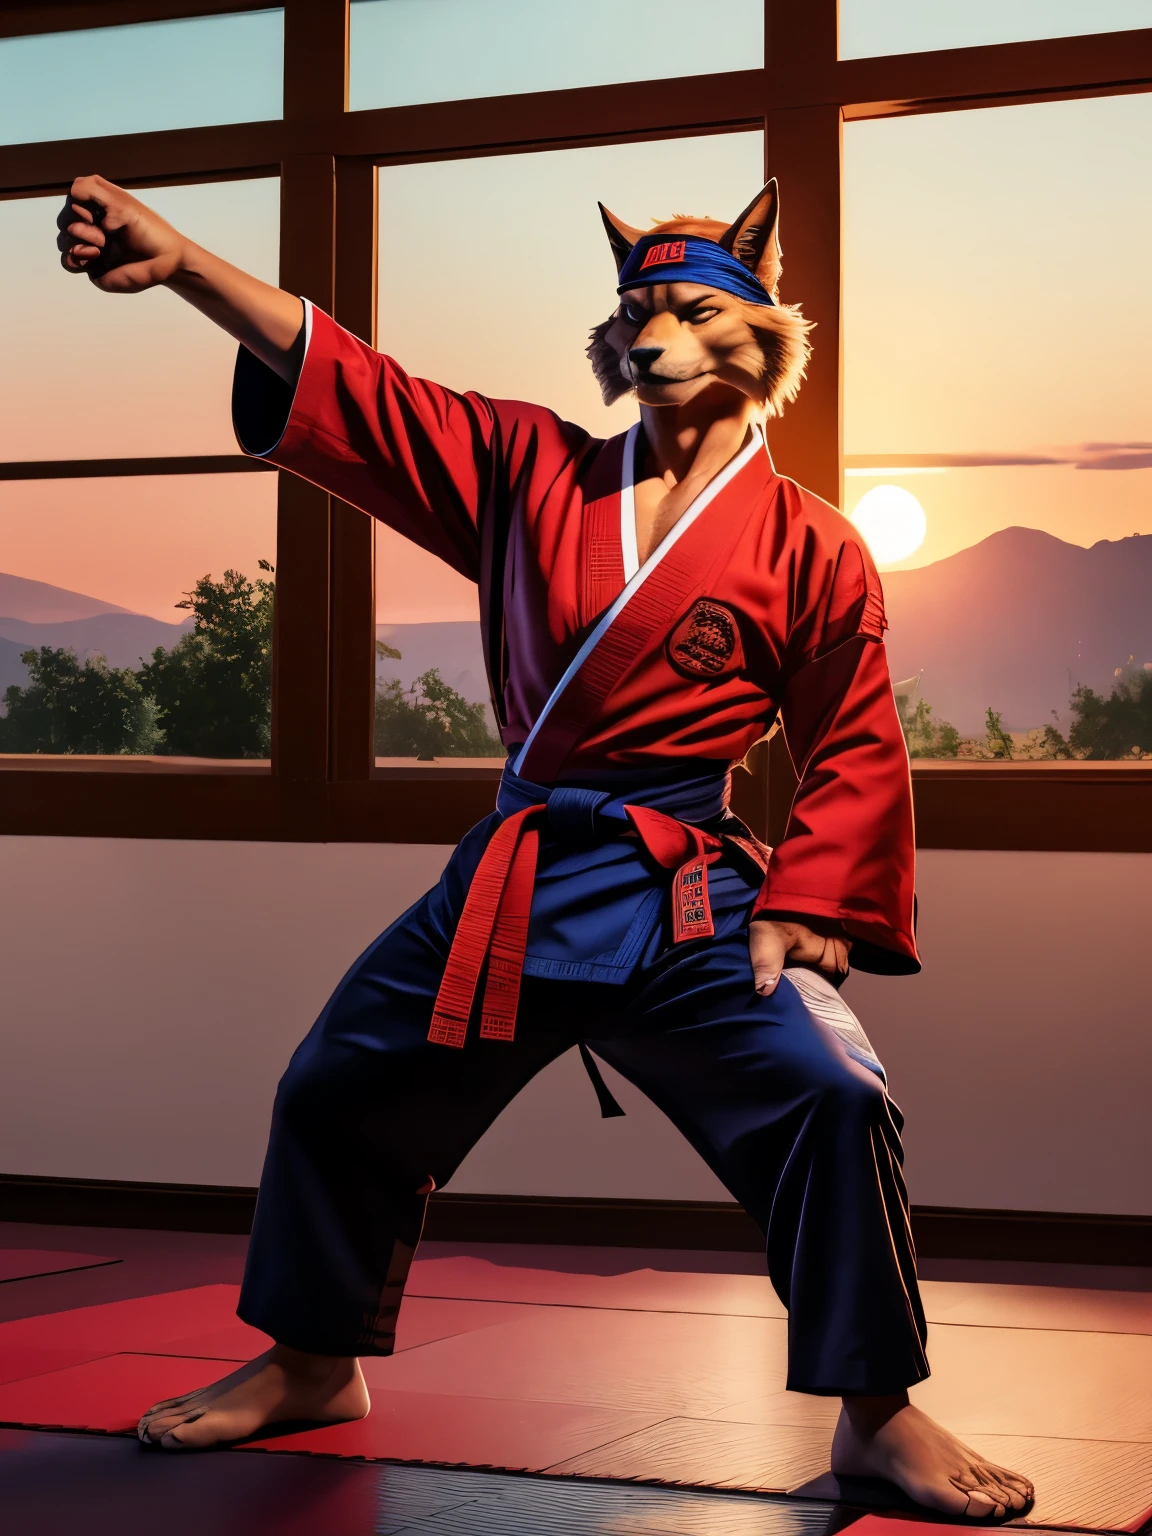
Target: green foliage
430, 719
999, 741
1117, 726
1103, 727
71, 706
213, 689
925, 736
211, 694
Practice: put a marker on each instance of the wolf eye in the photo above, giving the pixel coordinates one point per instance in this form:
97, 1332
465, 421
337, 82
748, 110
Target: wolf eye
634, 314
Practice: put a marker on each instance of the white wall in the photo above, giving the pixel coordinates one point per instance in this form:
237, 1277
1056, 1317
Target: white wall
150, 993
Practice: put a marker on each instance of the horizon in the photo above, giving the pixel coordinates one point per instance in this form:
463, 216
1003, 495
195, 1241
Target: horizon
109, 608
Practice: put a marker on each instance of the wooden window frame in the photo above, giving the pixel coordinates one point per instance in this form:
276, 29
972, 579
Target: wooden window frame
321, 784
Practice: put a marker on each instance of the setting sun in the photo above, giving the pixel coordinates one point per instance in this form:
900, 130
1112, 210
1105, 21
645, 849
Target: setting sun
891, 521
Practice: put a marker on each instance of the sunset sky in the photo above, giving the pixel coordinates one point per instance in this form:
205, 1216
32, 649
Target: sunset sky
996, 303
94, 375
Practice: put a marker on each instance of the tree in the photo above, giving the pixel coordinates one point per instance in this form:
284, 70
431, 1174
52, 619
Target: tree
213, 689
72, 706
925, 736
430, 719
1117, 726
999, 741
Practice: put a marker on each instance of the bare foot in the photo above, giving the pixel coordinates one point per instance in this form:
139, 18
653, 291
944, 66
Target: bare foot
280, 1385
887, 1437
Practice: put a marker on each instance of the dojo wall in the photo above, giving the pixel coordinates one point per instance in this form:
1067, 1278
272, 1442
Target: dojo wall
150, 993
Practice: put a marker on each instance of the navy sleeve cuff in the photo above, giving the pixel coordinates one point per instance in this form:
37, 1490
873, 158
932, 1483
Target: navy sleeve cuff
262, 401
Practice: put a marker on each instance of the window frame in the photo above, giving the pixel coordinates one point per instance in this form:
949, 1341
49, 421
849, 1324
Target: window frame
322, 785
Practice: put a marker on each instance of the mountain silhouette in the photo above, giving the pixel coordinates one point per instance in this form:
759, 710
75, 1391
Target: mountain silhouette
12, 669
124, 639
40, 603
452, 647
34, 613
1017, 621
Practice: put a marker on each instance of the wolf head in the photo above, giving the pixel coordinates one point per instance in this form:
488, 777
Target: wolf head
669, 341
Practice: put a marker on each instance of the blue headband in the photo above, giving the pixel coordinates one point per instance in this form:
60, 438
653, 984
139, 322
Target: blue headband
689, 259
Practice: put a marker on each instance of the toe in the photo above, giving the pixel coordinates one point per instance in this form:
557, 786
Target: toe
983, 1505
156, 1428
1014, 1483
195, 1434
170, 1403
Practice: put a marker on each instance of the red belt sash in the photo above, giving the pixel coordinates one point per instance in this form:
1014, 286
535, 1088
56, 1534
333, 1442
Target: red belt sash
494, 923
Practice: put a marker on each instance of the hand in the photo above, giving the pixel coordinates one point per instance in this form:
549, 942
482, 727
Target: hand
771, 943
120, 244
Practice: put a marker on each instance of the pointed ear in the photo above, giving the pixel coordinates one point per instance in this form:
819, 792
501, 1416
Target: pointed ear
621, 237
754, 239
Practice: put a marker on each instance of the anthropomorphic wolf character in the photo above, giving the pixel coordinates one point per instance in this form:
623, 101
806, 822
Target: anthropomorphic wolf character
650, 605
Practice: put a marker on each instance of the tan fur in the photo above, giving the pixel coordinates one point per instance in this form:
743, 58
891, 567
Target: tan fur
768, 345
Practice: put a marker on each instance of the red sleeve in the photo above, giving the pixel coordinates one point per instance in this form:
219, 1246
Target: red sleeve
848, 854
421, 458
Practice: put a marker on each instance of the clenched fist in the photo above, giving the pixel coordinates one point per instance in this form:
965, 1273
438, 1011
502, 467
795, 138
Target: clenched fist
771, 943
123, 246
112, 237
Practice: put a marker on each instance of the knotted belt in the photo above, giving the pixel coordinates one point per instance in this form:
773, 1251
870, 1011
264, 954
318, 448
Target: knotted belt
493, 925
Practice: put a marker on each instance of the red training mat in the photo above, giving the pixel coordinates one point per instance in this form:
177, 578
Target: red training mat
478, 1278
421, 1322
32, 1346
27, 1263
109, 1394
142, 1322
466, 1431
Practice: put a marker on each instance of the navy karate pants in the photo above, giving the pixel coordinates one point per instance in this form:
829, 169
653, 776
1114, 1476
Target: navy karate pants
369, 1117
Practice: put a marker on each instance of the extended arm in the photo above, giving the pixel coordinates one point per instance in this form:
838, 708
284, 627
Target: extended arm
123, 246
310, 397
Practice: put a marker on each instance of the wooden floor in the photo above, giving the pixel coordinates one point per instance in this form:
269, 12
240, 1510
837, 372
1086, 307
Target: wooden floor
584, 1368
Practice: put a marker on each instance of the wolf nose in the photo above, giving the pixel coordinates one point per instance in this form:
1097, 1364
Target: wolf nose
642, 358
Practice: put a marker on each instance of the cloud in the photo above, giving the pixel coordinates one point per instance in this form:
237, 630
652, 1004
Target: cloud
1080, 455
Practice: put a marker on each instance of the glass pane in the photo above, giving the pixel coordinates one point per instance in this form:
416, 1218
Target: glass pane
100, 568
406, 51
559, 271
164, 372
137, 79
869, 28
998, 323
428, 619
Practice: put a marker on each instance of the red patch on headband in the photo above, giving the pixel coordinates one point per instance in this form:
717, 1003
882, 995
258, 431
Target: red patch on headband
658, 255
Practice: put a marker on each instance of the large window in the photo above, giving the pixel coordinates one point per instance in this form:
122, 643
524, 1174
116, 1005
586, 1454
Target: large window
998, 323
963, 219
135, 608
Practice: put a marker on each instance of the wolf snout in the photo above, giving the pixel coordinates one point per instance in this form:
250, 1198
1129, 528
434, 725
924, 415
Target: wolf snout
642, 358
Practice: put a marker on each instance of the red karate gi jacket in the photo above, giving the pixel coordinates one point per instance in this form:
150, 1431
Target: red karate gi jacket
768, 604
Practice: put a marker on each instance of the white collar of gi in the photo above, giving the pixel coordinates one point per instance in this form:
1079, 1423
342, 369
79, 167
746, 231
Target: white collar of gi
628, 542
636, 580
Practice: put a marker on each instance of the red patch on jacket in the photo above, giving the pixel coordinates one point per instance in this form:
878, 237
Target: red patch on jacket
706, 642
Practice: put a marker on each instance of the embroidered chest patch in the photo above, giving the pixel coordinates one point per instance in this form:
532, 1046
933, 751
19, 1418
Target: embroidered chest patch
706, 642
